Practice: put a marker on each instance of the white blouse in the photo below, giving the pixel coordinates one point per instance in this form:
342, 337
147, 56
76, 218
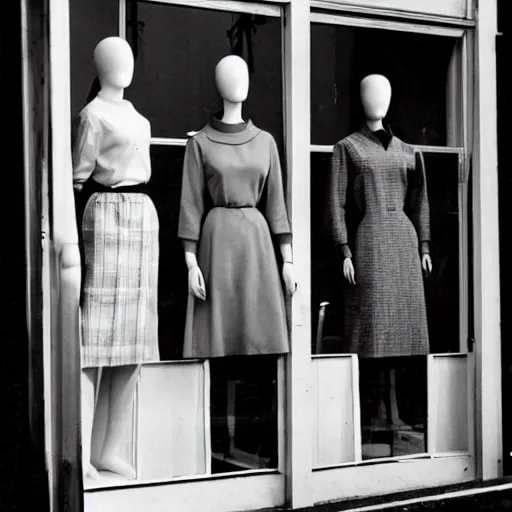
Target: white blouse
112, 144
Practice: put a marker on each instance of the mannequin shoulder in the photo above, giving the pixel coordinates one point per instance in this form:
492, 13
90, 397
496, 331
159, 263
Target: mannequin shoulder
140, 117
264, 136
94, 113
404, 146
89, 115
197, 137
348, 142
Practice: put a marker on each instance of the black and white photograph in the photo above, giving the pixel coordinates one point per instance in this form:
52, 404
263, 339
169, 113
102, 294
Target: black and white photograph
257, 256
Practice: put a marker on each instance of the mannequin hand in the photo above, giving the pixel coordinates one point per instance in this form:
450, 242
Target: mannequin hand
348, 271
196, 284
426, 263
288, 278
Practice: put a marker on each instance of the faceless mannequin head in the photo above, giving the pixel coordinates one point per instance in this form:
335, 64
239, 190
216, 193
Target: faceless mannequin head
114, 62
375, 97
232, 79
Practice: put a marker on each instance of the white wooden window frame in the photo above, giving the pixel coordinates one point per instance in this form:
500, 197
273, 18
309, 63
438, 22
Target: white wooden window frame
395, 26
252, 479
429, 469
436, 11
303, 487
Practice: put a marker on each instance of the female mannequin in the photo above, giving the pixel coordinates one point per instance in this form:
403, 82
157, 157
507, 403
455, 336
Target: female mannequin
120, 235
236, 304
385, 306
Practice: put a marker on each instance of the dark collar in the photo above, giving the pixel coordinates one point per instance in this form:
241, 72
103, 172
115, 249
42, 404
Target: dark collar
233, 135
382, 136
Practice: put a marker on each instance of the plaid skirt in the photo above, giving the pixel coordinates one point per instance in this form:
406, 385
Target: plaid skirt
120, 290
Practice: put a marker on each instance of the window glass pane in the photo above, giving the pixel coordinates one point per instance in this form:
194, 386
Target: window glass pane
243, 389
165, 191
345, 320
177, 49
326, 268
244, 413
89, 22
417, 65
442, 288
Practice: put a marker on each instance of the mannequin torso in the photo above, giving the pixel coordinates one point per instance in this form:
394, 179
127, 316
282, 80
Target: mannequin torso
375, 92
112, 144
386, 179
113, 138
232, 80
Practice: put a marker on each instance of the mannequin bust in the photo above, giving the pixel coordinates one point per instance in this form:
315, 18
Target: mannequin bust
232, 81
118, 158
375, 91
114, 62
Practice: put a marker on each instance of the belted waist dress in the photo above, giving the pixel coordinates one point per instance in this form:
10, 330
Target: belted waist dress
232, 199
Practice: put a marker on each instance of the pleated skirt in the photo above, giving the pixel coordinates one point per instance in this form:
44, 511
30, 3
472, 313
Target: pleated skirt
120, 290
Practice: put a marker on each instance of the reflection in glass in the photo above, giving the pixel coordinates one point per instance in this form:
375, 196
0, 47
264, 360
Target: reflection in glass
418, 66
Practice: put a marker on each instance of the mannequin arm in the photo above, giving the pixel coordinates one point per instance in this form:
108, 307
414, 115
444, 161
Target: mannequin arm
189, 247
285, 247
85, 151
275, 207
418, 206
192, 194
196, 284
337, 198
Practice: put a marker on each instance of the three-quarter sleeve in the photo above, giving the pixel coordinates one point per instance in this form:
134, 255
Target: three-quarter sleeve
418, 206
85, 148
275, 207
192, 193
337, 198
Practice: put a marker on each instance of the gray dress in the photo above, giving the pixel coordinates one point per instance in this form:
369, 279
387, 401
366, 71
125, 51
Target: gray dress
231, 200
385, 313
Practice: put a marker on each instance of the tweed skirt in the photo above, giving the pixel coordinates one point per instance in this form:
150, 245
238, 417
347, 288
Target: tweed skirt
385, 312
120, 290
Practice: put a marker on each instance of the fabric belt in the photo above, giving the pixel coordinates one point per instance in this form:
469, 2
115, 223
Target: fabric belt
234, 206
91, 186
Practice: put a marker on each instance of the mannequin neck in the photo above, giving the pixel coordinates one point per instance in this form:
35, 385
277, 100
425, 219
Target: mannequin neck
375, 125
232, 113
111, 93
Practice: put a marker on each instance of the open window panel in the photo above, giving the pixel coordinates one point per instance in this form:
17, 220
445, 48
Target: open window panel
374, 410
433, 394
191, 420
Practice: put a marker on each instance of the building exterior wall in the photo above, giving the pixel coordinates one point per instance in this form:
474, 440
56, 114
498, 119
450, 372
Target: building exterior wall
60, 264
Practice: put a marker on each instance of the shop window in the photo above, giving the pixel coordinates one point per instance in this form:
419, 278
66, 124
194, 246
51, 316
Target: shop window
230, 422
418, 66
425, 111
89, 22
177, 49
